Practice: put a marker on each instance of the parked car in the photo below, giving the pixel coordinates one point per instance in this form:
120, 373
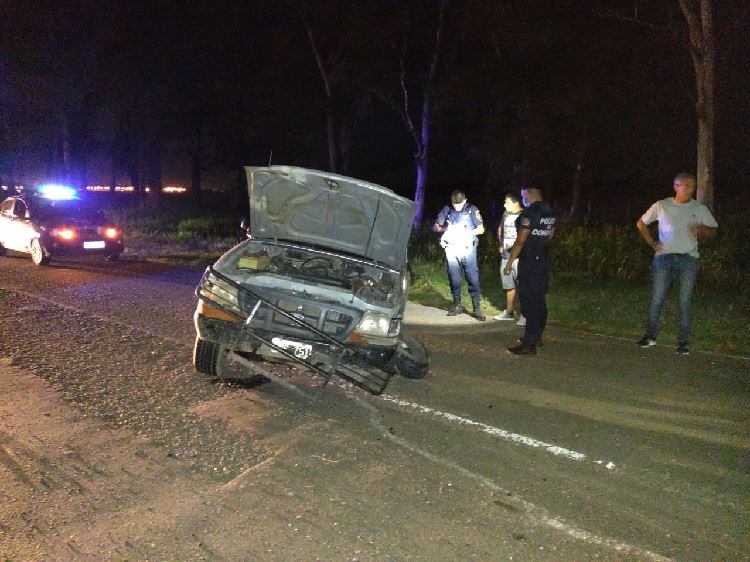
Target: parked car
322, 280
54, 221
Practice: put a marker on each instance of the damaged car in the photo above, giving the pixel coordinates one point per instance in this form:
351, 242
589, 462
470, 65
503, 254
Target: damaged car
322, 280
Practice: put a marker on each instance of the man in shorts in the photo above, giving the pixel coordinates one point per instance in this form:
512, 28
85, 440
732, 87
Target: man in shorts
506, 236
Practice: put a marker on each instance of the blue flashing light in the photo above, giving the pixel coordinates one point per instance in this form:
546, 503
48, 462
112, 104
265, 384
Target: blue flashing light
57, 192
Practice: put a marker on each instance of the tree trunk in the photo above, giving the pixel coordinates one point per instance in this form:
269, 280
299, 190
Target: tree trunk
699, 17
58, 167
196, 158
136, 177
419, 191
421, 137
328, 89
575, 200
705, 174
155, 176
78, 147
421, 160
331, 133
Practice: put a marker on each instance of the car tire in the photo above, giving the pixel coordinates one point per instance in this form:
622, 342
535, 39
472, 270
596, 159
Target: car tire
112, 257
2, 250
38, 255
210, 358
412, 360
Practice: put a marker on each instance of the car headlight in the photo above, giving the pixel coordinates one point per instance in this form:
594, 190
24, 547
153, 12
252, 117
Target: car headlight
219, 291
380, 325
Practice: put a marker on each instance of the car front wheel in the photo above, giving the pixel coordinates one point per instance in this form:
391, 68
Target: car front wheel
38, 256
412, 360
210, 358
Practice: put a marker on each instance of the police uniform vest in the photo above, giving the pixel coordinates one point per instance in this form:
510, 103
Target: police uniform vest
460, 219
539, 219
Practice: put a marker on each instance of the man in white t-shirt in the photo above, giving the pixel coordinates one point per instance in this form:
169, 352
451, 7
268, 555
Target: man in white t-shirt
506, 237
682, 221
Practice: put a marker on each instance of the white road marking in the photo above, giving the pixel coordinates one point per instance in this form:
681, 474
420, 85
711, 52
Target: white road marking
538, 514
498, 432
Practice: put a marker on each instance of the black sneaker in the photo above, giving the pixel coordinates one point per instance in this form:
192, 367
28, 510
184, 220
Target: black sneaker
682, 349
645, 341
539, 342
523, 349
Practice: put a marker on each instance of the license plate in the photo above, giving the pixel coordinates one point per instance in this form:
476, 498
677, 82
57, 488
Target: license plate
94, 245
299, 350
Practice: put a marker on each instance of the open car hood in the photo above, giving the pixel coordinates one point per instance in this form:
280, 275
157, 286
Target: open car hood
330, 211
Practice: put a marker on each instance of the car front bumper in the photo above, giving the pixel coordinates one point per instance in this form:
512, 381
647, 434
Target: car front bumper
243, 338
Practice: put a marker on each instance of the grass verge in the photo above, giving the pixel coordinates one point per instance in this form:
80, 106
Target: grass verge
613, 307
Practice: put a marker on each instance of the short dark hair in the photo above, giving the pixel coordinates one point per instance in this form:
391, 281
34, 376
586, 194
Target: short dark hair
532, 188
513, 196
457, 197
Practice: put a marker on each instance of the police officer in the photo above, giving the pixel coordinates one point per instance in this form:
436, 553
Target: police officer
535, 227
460, 224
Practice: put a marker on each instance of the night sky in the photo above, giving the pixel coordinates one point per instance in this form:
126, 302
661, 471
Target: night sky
131, 92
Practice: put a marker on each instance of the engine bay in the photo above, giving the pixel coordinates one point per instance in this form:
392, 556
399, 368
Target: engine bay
374, 284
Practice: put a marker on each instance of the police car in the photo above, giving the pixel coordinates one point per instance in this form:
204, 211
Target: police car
55, 221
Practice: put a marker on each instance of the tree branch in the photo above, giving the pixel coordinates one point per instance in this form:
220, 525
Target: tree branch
405, 112
318, 59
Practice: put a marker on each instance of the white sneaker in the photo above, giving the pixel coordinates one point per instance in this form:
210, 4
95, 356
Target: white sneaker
504, 315
521, 321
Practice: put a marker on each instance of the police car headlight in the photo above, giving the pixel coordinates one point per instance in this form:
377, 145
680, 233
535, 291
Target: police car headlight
380, 325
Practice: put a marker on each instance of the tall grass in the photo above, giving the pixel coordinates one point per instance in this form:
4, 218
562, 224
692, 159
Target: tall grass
617, 252
215, 214
179, 229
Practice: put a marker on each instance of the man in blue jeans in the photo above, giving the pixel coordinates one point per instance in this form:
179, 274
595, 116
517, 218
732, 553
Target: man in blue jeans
460, 224
682, 221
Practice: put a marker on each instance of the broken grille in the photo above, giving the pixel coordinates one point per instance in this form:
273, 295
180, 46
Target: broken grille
262, 310
336, 323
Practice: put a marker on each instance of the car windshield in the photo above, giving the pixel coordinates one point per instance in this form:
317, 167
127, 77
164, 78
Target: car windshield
73, 209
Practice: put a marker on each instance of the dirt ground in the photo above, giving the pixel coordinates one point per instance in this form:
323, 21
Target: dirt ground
66, 477
74, 488
112, 447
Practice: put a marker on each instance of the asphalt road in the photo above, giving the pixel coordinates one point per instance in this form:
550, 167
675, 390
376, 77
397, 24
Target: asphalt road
593, 449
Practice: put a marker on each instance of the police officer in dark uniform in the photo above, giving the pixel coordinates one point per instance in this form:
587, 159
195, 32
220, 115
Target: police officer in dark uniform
535, 226
460, 224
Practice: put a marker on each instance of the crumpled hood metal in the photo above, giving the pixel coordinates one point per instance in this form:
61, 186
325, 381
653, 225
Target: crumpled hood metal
331, 211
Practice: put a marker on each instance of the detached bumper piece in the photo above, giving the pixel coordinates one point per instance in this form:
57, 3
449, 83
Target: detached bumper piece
369, 378
331, 356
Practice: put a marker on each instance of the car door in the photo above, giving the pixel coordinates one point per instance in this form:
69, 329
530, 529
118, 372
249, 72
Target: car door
7, 223
17, 228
